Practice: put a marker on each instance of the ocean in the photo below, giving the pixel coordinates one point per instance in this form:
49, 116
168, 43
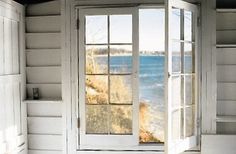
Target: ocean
151, 86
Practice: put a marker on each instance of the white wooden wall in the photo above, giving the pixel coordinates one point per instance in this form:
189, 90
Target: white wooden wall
220, 134
12, 111
43, 49
226, 71
43, 70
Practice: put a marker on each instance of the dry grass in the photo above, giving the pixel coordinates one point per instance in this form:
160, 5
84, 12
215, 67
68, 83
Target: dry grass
120, 116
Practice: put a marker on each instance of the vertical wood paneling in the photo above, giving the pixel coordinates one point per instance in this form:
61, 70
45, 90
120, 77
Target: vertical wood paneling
2, 112
11, 134
1, 47
7, 46
17, 107
15, 47
9, 102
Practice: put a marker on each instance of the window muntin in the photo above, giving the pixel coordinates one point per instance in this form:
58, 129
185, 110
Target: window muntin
181, 118
182, 64
108, 74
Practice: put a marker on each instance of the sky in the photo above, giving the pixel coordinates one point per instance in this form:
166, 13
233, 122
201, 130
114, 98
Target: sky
151, 29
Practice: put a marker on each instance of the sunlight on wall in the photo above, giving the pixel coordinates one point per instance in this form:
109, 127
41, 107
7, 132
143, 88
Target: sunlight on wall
9, 140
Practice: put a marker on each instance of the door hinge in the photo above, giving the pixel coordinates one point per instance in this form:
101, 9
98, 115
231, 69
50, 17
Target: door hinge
77, 24
198, 21
78, 122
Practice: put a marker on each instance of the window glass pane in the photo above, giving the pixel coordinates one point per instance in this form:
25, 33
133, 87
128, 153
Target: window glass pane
176, 124
97, 119
151, 75
188, 25
96, 59
152, 31
189, 121
176, 57
121, 29
120, 59
96, 89
96, 29
188, 82
121, 119
120, 89
188, 58
176, 92
175, 23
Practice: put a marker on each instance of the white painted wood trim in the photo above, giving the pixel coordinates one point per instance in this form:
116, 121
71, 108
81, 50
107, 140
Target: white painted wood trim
42, 101
10, 78
45, 142
45, 125
67, 30
220, 118
43, 24
218, 144
225, 10
209, 86
128, 152
45, 109
226, 45
87, 140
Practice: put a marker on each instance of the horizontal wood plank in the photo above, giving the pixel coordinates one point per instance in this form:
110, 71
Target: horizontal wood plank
43, 40
218, 144
226, 21
43, 75
44, 152
226, 107
45, 142
226, 128
226, 91
226, 37
44, 125
43, 57
226, 56
46, 8
226, 73
46, 91
43, 24
44, 109
225, 118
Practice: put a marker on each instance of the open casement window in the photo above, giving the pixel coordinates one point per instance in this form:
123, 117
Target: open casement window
108, 92
181, 78
111, 63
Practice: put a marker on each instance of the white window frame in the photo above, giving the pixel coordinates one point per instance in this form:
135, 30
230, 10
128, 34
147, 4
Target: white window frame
88, 141
155, 147
171, 146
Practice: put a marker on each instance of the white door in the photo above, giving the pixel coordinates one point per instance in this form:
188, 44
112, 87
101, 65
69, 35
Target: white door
181, 79
108, 62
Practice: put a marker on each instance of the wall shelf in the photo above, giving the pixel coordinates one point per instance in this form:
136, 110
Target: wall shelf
225, 45
221, 118
225, 10
43, 101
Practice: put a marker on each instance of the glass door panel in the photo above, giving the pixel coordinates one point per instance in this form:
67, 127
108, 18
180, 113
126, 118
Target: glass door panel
180, 94
107, 97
